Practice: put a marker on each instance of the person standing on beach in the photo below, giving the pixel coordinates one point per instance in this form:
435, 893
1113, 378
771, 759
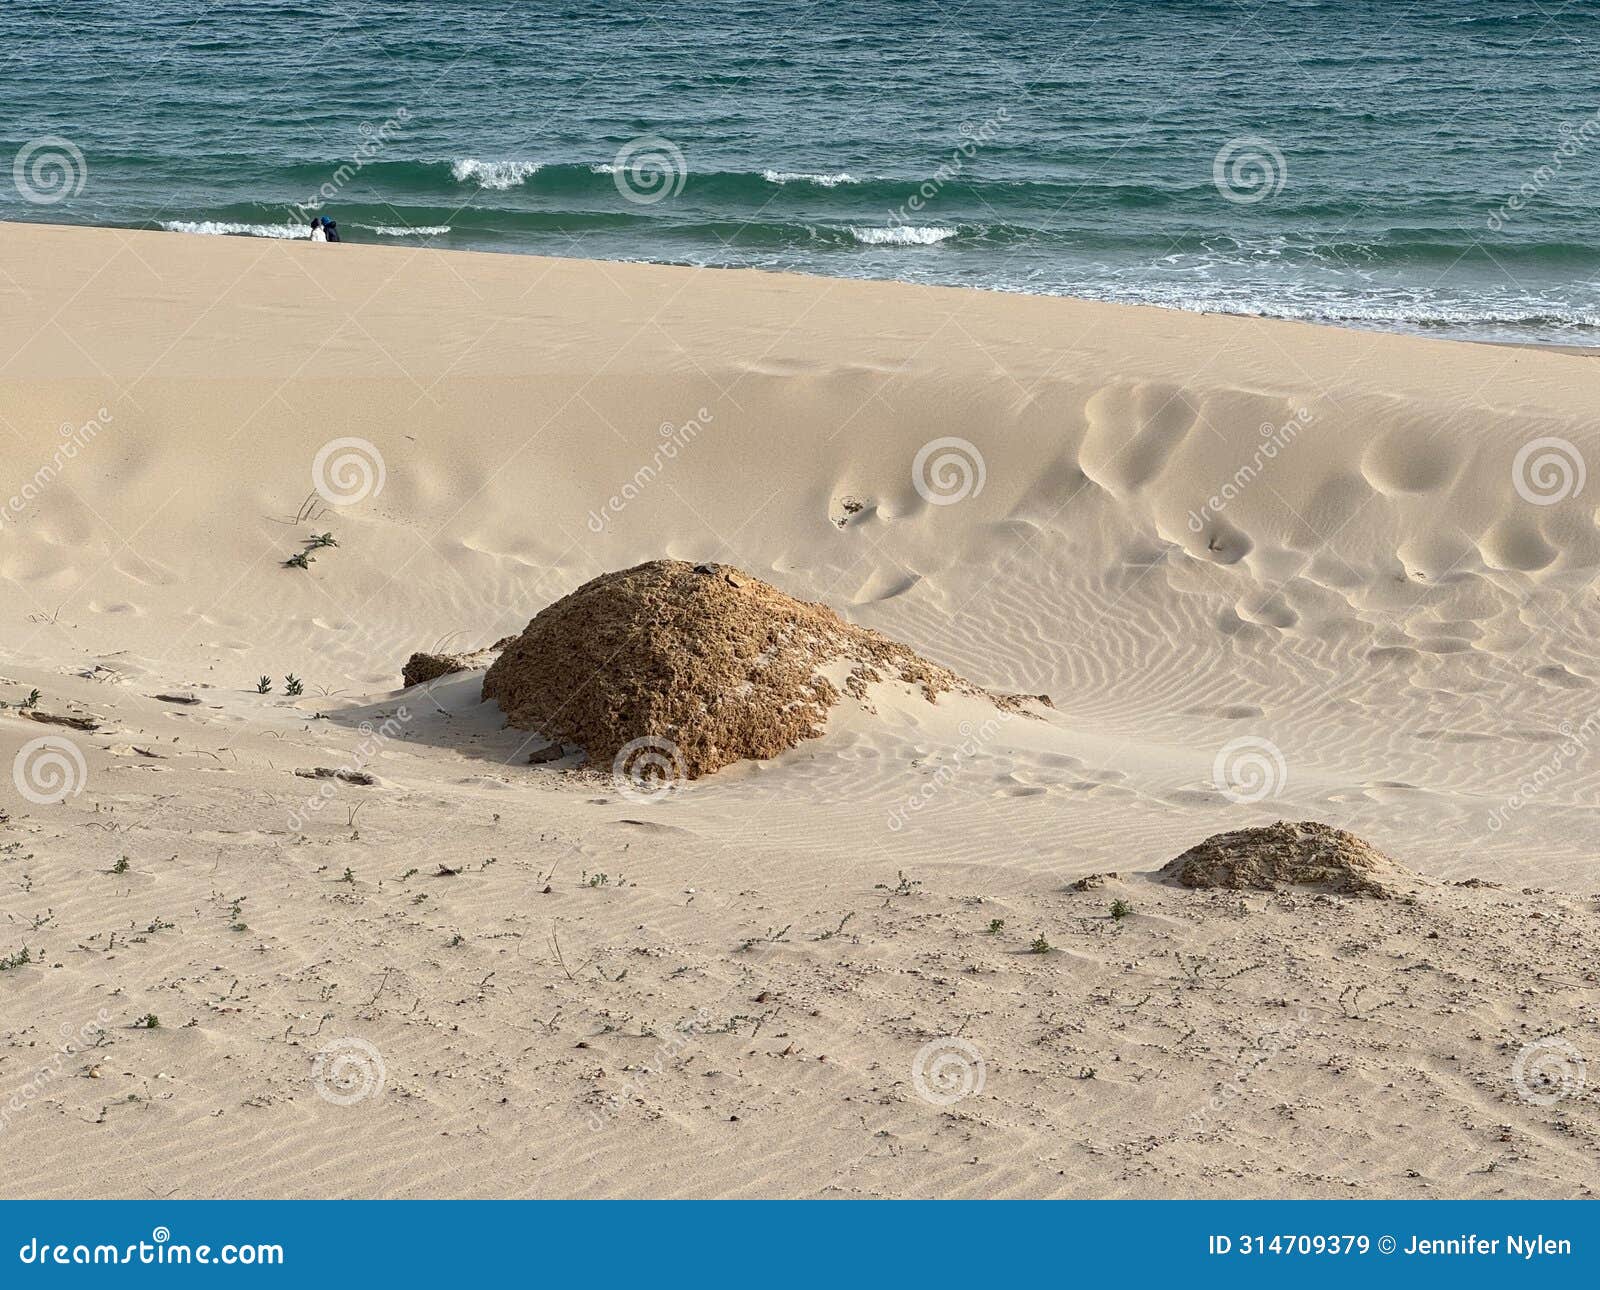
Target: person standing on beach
317, 233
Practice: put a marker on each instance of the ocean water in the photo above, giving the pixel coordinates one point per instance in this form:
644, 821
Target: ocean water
1425, 166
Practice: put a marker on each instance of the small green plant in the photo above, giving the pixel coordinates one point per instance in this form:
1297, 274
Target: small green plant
774, 936
32, 701
264, 685
1120, 909
457, 939
15, 960
902, 888
236, 914
160, 924
148, 1022
996, 926
409, 873
293, 685
596, 879
300, 560
1040, 945
319, 540
349, 876
830, 934
121, 865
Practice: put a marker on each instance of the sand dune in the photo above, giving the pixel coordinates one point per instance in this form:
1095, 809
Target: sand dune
1264, 571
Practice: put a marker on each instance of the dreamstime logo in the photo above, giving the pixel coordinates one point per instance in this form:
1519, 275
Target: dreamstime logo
74, 440
648, 769
947, 471
49, 170
373, 740
1267, 1046
49, 770
73, 1040
1249, 769
947, 1070
1274, 439
972, 138
1547, 471
974, 740
674, 439
1575, 139
1249, 169
1572, 745
668, 1052
374, 139
347, 471
648, 169
1548, 1070
348, 1071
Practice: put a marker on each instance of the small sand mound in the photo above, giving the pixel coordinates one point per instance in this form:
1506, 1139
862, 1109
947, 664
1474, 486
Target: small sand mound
720, 664
1307, 854
421, 668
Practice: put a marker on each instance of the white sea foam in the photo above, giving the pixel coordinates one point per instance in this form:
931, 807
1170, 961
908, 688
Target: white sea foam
498, 175
804, 177
220, 228
902, 235
403, 230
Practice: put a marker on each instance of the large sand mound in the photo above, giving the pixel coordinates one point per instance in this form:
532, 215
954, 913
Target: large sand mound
720, 664
1307, 854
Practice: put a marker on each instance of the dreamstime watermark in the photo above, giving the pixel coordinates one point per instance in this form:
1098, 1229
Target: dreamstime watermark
1548, 1070
73, 1039
649, 169
648, 769
74, 439
1274, 439
1548, 470
668, 1050
373, 739
973, 137
49, 170
974, 739
374, 139
674, 439
1267, 1046
1249, 769
1574, 140
949, 470
1570, 749
160, 1250
348, 1071
48, 770
347, 471
948, 1070
1249, 169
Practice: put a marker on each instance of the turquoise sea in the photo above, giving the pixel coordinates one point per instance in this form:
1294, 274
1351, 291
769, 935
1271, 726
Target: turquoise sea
1427, 166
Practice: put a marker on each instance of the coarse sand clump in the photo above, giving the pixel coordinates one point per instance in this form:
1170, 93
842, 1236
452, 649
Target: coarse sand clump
709, 659
1306, 854
421, 668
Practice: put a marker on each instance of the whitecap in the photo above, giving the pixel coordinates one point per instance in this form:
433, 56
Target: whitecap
403, 230
220, 228
805, 177
902, 235
498, 175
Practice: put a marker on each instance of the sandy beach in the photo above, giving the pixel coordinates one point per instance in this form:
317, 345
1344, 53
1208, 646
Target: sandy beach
1262, 570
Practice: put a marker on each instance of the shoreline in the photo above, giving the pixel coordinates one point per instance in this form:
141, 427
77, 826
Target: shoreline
1415, 331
